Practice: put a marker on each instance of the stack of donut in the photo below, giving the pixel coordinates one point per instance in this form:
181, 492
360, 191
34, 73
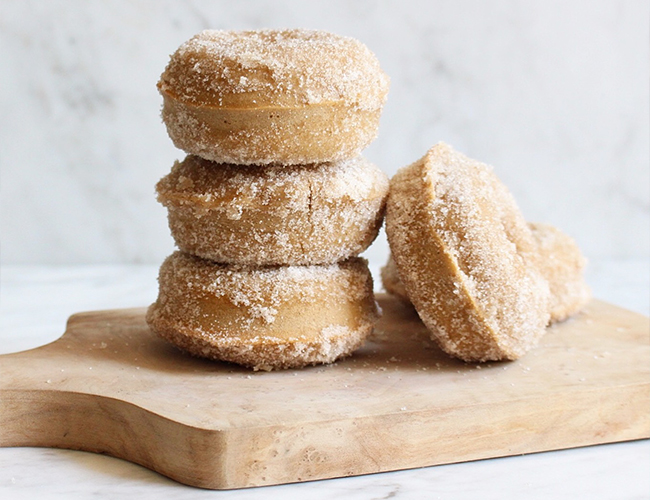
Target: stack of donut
274, 203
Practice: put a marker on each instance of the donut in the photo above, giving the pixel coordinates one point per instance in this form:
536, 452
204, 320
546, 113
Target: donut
272, 96
263, 317
262, 215
466, 257
391, 281
563, 265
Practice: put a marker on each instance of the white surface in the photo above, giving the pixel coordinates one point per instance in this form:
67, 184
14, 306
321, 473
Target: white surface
554, 94
35, 302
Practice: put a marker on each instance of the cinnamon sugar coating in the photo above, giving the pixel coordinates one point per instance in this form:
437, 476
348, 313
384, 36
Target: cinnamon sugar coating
563, 265
264, 317
272, 96
466, 257
308, 214
391, 281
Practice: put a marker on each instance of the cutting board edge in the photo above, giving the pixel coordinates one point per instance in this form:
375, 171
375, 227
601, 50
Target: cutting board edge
69, 420
178, 448
617, 422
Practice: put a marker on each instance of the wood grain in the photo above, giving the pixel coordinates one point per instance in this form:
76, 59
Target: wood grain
109, 386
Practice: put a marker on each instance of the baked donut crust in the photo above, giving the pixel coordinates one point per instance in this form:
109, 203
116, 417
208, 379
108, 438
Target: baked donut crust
272, 96
466, 257
563, 265
262, 215
265, 318
391, 281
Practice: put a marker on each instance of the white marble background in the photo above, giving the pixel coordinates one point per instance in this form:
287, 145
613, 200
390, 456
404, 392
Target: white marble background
553, 93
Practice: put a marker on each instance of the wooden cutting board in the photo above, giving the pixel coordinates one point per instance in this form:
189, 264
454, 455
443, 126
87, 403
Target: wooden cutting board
109, 386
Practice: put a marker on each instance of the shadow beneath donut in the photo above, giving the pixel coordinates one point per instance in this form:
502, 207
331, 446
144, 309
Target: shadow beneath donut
401, 341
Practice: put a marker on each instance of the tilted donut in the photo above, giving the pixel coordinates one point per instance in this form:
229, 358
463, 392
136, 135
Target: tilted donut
311, 214
272, 96
562, 264
391, 281
265, 318
466, 257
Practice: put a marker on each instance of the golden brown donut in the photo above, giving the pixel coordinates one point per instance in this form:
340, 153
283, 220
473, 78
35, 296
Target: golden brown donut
272, 96
391, 281
466, 257
264, 318
262, 215
563, 265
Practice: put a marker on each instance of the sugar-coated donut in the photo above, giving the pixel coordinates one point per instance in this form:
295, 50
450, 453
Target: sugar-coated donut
262, 215
272, 96
563, 265
266, 317
391, 281
466, 257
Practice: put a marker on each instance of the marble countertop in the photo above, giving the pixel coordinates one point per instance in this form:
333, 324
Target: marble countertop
35, 302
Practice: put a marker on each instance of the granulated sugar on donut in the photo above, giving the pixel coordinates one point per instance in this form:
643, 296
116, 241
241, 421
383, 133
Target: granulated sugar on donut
263, 215
466, 257
563, 265
272, 96
391, 281
264, 317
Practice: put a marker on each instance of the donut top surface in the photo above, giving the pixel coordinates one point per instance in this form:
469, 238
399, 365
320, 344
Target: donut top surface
206, 184
274, 68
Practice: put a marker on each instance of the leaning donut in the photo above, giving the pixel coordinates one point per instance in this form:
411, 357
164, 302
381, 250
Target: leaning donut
563, 265
466, 257
264, 318
272, 96
391, 281
262, 215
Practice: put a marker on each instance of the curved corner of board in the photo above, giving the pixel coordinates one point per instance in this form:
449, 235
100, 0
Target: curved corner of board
99, 424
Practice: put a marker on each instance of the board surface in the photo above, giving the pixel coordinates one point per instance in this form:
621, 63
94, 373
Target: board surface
108, 385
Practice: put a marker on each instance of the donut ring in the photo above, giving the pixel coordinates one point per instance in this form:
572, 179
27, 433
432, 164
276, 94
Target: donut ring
272, 96
466, 257
264, 318
257, 215
563, 265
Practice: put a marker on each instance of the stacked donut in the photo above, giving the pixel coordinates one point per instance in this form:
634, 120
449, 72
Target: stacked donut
274, 203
